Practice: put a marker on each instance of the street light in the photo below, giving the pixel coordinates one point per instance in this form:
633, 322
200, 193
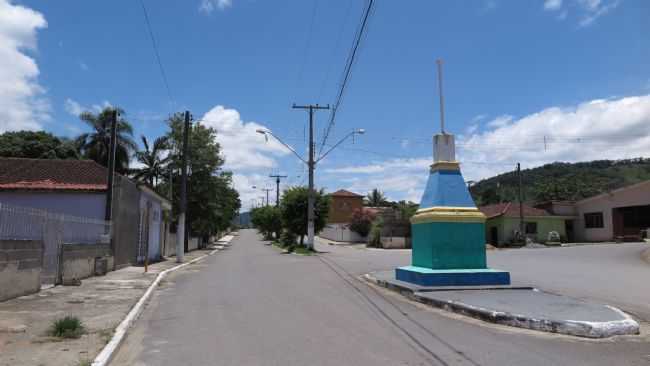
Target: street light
311, 164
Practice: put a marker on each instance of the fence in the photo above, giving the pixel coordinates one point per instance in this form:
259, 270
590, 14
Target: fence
53, 230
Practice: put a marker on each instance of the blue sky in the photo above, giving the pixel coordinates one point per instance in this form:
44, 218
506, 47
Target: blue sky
573, 73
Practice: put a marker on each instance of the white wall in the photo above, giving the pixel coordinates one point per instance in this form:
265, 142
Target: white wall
637, 195
340, 232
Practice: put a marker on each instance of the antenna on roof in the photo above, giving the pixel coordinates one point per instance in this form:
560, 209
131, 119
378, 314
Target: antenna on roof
442, 100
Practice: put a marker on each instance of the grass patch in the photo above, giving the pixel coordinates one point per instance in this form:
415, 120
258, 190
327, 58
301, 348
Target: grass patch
302, 250
85, 362
67, 327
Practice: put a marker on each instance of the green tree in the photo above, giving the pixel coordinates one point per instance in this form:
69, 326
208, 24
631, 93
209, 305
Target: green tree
361, 222
405, 209
212, 202
376, 198
268, 220
95, 145
294, 211
36, 145
153, 164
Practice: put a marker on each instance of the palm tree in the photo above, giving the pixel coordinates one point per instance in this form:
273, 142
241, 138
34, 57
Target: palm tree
375, 198
95, 145
153, 164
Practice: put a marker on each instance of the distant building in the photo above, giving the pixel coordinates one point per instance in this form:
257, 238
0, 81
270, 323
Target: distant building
503, 221
343, 204
621, 214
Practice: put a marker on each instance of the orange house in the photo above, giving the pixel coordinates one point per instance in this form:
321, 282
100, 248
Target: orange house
342, 205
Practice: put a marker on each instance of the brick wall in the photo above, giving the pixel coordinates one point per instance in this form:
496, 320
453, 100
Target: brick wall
20, 267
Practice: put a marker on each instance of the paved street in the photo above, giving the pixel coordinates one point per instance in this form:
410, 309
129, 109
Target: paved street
252, 305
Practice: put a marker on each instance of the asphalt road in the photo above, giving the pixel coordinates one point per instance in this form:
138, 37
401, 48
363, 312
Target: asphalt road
252, 305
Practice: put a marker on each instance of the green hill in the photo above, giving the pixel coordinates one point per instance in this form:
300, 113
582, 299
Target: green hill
562, 181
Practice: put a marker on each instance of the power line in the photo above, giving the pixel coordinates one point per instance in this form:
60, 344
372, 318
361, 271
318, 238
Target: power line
157, 54
347, 71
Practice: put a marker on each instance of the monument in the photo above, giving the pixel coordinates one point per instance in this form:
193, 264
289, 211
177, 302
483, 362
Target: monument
448, 231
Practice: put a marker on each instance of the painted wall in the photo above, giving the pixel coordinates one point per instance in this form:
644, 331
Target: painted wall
506, 227
92, 205
340, 232
151, 211
638, 195
126, 219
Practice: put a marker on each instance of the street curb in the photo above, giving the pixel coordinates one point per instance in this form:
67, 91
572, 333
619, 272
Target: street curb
645, 255
106, 355
584, 329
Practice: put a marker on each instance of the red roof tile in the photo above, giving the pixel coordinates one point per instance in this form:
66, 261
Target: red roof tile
511, 209
344, 193
51, 174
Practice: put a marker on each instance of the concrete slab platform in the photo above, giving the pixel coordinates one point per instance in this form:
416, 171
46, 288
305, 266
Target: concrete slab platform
388, 279
452, 277
520, 307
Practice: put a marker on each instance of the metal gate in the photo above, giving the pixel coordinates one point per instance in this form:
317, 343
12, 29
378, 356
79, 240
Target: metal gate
52, 242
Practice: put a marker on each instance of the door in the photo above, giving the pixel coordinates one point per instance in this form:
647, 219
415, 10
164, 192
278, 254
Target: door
494, 236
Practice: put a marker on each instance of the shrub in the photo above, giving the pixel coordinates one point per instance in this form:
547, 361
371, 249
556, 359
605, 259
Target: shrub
294, 210
374, 240
361, 222
66, 327
288, 238
268, 220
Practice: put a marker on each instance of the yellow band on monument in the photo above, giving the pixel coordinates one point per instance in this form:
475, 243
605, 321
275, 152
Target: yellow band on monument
445, 165
448, 214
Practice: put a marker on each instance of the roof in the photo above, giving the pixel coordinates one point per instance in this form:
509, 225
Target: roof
344, 193
52, 174
511, 209
611, 193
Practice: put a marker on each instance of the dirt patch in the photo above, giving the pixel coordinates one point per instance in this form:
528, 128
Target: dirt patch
645, 255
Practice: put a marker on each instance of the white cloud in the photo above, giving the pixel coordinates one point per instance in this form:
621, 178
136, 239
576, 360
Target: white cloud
595, 9
589, 10
500, 121
22, 105
75, 108
246, 151
598, 129
552, 4
71, 106
208, 6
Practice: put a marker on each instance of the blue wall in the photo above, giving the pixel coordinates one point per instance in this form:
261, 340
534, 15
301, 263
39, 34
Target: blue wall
91, 205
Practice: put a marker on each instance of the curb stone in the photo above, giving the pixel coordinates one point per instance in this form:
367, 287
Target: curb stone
586, 329
106, 355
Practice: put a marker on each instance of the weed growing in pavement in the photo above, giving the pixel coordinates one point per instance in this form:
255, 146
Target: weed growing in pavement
67, 327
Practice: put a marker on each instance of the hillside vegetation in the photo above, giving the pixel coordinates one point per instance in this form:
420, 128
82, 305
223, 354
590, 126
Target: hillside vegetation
562, 181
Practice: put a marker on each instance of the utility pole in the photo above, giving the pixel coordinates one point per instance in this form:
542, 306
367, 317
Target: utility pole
310, 165
181, 243
277, 187
521, 205
267, 190
111, 166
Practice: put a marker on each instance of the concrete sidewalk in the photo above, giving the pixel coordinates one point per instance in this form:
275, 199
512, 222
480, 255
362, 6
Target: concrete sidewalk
100, 302
518, 306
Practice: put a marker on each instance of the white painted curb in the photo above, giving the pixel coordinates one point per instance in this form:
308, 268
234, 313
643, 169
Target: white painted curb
107, 353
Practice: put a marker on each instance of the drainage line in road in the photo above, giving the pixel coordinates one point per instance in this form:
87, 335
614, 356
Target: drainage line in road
332, 264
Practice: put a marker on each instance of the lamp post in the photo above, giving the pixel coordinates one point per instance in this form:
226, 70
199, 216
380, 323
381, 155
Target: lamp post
311, 165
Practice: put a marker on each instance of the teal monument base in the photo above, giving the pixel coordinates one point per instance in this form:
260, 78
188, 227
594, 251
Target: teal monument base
448, 230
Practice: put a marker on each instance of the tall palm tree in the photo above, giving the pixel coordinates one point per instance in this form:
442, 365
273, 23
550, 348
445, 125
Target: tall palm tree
95, 145
153, 164
375, 198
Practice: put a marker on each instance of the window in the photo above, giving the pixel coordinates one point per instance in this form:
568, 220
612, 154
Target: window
531, 228
594, 220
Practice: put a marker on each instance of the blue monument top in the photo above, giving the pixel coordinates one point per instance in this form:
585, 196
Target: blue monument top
446, 188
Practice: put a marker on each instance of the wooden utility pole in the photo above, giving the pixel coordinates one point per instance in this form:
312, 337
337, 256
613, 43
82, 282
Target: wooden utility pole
111, 166
277, 187
181, 238
521, 205
267, 190
311, 165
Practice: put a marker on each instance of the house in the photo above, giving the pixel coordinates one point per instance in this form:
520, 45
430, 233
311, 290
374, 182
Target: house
621, 214
343, 204
503, 220
152, 237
